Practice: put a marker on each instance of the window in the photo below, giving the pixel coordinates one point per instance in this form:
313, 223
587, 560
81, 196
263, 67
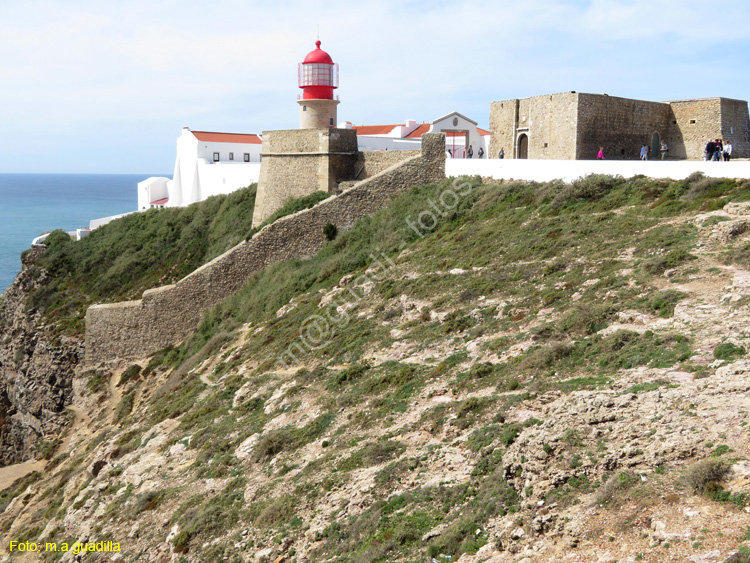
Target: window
247, 157
331, 122
545, 145
216, 157
304, 108
692, 121
231, 156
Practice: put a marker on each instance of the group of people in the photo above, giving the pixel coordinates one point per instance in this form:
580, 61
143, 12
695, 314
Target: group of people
717, 149
646, 151
470, 152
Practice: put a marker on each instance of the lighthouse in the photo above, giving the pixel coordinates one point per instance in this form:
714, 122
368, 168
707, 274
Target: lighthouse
318, 76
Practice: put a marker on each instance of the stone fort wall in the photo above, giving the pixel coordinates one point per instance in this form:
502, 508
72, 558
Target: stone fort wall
619, 125
570, 126
735, 126
550, 122
299, 162
167, 315
370, 163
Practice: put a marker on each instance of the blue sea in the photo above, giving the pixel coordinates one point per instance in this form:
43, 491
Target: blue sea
31, 204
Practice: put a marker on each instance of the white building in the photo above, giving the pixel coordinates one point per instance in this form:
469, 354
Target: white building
460, 132
207, 164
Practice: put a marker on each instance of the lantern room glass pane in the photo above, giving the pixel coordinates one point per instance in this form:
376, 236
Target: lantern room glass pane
318, 74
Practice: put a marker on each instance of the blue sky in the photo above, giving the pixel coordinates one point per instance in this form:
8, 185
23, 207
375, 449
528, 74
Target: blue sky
105, 87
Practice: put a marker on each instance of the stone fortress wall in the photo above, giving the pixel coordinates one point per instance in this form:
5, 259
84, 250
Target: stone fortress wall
619, 125
572, 125
167, 315
299, 162
550, 123
370, 163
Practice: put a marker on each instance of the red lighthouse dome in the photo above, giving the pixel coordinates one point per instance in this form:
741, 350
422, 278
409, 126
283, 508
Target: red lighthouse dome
318, 75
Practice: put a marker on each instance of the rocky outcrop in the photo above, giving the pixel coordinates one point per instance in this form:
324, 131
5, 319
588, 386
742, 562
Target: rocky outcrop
36, 373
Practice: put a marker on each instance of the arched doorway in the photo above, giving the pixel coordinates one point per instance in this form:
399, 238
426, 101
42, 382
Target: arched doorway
523, 146
655, 145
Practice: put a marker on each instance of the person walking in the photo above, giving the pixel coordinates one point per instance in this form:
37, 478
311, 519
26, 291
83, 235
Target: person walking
727, 151
480, 154
644, 152
663, 150
470, 152
600, 154
501, 153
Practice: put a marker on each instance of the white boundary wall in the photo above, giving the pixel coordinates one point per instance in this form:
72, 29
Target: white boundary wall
568, 170
225, 177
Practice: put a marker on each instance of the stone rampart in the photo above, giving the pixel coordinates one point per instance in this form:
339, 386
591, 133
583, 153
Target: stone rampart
299, 162
621, 126
549, 124
370, 163
735, 126
168, 314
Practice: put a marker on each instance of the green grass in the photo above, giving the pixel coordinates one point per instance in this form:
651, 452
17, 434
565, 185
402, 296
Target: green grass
728, 351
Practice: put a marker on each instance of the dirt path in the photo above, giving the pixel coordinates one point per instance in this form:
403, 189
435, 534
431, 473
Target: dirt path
10, 473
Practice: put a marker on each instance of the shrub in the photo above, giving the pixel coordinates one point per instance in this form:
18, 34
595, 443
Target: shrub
481, 370
702, 187
330, 231
131, 373
672, 259
124, 407
620, 481
290, 438
728, 351
373, 453
741, 556
705, 475
58, 239
586, 318
97, 382
277, 512
351, 373
661, 303
593, 186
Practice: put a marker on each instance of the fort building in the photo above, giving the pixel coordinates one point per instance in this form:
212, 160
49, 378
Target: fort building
574, 126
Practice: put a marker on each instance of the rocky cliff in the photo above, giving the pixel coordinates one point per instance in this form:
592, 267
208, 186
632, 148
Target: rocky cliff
36, 374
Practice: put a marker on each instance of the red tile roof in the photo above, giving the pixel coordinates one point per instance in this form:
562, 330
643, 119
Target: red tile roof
482, 132
373, 129
208, 136
417, 133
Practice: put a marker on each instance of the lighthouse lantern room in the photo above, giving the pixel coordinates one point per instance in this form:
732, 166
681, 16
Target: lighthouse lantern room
318, 76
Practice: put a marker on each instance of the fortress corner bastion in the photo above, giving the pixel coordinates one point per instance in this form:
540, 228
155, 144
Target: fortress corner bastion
167, 315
